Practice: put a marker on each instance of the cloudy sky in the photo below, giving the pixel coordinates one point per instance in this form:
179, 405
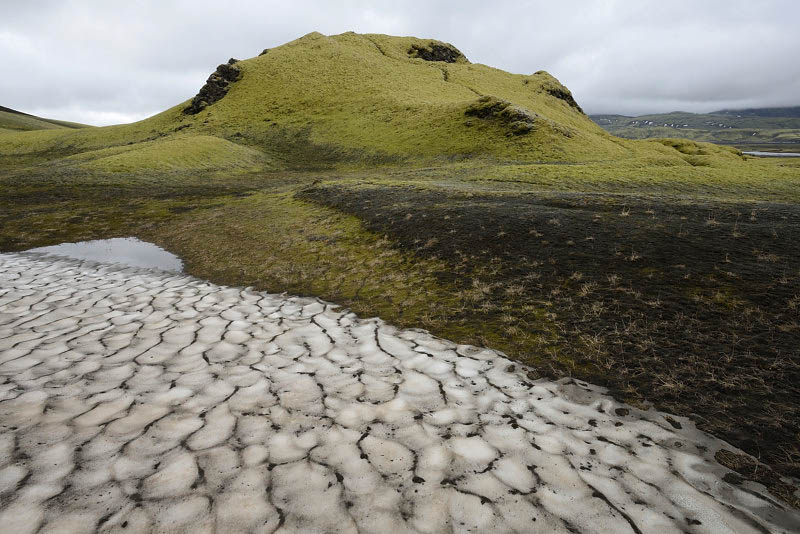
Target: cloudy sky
111, 61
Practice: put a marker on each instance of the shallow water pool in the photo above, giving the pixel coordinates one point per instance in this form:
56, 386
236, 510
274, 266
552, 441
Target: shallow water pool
124, 250
772, 154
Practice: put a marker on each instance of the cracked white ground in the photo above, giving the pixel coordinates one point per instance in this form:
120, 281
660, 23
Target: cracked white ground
143, 401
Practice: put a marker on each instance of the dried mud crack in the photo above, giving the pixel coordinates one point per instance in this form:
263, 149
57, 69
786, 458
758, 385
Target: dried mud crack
140, 401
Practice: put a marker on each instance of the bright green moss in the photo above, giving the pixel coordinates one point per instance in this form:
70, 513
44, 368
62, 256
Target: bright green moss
11, 121
189, 153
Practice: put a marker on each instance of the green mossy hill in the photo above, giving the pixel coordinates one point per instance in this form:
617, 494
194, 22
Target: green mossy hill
353, 99
16, 121
187, 153
399, 97
700, 154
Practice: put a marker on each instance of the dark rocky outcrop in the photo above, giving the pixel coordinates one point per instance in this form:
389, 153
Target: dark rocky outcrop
546, 83
264, 51
565, 95
518, 120
435, 51
216, 87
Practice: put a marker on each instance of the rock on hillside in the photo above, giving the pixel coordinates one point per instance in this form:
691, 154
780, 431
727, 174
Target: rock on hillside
215, 88
436, 51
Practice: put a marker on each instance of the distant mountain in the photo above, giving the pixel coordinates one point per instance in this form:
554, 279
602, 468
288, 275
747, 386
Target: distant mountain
774, 128
761, 112
11, 119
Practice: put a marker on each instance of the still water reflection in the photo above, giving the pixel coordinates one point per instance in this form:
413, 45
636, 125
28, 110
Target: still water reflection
127, 251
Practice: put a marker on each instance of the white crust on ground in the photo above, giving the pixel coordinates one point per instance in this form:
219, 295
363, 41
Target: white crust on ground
140, 401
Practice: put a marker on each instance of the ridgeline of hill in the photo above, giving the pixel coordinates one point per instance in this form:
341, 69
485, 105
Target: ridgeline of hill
793, 112
775, 129
12, 120
392, 176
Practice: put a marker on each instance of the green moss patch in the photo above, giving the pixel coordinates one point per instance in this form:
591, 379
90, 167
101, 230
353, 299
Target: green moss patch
186, 154
518, 120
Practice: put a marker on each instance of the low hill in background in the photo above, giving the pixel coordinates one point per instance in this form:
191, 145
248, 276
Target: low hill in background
765, 128
12, 120
793, 112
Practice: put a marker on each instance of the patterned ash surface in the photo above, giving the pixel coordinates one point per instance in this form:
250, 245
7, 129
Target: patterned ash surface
143, 401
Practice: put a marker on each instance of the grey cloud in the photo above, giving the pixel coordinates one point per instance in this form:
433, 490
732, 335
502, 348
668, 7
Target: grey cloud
103, 62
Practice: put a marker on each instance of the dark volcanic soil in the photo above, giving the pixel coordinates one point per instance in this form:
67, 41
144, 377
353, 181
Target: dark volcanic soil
693, 306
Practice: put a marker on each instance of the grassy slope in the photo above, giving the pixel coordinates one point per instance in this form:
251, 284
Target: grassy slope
363, 93
179, 154
12, 120
254, 191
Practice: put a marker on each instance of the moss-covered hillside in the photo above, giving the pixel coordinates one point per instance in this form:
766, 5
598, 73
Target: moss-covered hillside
357, 99
12, 120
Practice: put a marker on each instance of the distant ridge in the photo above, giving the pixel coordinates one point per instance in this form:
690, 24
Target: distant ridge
9, 110
11, 119
774, 127
793, 111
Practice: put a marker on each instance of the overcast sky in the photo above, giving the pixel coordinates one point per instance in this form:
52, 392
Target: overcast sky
111, 61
